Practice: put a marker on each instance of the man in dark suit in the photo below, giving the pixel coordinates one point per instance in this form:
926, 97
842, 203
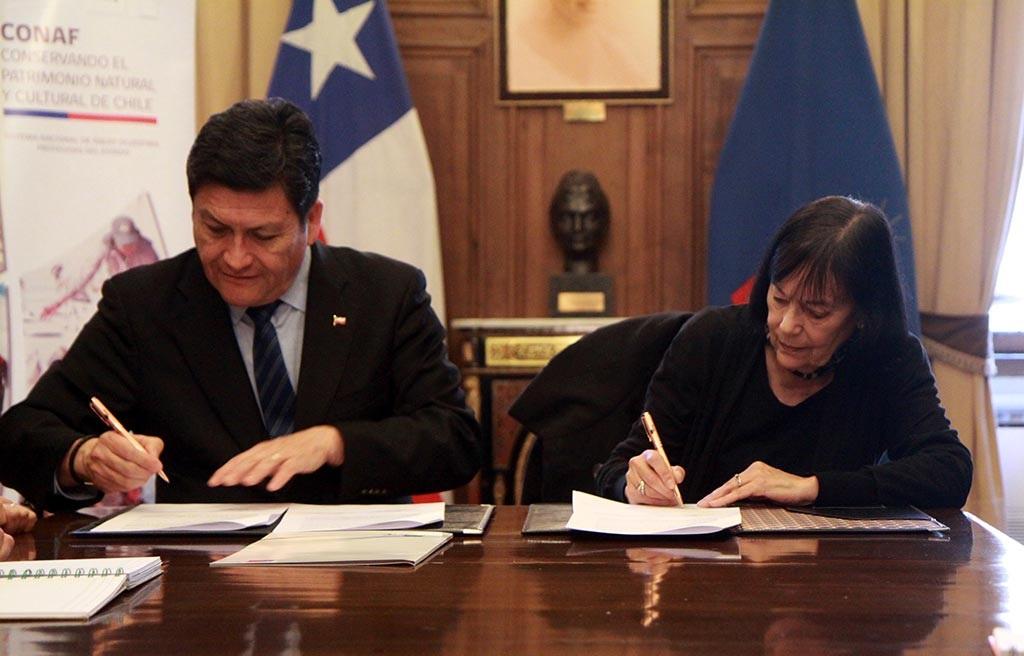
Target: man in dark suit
259, 366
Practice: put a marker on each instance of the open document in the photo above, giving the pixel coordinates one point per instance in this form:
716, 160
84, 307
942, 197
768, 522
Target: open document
258, 518
598, 515
339, 548
349, 517
191, 518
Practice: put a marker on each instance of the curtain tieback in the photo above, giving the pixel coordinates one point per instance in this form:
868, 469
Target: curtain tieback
961, 341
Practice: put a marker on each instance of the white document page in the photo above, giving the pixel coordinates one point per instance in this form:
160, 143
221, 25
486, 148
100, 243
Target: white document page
599, 515
68, 598
353, 517
192, 517
339, 548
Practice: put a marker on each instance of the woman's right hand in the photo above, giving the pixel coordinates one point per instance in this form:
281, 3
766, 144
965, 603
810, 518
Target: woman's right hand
648, 474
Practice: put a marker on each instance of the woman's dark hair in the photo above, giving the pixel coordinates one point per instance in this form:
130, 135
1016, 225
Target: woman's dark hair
843, 243
255, 144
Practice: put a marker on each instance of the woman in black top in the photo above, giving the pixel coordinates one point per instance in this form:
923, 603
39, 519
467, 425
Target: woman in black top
815, 392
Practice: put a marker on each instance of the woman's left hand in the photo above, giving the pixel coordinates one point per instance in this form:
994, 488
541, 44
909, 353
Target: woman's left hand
761, 481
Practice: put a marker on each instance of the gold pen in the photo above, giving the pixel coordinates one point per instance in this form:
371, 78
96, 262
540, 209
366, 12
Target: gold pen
110, 420
652, 434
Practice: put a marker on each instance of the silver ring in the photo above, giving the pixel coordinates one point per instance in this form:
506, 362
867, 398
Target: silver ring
739, 481
641, 487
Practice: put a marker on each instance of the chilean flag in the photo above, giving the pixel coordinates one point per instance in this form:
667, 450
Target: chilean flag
810, 123
339, 62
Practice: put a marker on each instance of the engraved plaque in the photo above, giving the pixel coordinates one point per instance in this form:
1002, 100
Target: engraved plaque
524, 351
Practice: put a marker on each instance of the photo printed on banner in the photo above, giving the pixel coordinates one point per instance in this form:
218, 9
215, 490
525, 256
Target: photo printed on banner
59, 297
5, 349
3, 248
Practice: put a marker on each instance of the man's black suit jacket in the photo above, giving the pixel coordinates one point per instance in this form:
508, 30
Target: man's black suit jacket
161, 354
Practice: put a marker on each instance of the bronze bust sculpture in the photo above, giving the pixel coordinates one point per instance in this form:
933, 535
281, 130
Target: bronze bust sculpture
579, 215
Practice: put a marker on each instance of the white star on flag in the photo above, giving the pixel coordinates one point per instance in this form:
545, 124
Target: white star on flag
376, 182
330, 39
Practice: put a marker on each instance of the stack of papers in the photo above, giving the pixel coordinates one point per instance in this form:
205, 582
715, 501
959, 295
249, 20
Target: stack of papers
598, 515
338, 535
73, 589
339, 548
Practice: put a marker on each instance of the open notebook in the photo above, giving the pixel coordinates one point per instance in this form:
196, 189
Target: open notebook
73, 589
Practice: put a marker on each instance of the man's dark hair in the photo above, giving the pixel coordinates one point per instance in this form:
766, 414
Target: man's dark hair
255, 144
845, 243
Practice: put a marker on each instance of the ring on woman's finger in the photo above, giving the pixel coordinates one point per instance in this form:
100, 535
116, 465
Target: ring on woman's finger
641, 487
739, 481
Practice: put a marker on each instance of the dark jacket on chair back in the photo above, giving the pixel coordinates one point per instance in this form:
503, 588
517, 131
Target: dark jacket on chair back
584, 401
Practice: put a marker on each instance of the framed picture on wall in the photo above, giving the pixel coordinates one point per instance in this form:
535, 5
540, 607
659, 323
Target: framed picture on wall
552, 51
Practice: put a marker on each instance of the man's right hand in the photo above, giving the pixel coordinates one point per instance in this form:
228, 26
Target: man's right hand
112, 464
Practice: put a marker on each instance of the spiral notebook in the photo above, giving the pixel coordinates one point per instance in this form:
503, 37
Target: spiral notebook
72, 589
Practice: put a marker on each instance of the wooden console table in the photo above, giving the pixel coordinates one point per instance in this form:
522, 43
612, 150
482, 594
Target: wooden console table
498, 359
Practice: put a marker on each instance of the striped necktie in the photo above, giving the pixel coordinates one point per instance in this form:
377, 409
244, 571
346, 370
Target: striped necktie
277, 398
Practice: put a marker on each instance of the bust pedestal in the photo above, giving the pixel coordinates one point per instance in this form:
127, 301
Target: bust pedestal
581, 295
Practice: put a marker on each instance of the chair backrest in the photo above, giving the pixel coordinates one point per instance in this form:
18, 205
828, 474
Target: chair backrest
584, 401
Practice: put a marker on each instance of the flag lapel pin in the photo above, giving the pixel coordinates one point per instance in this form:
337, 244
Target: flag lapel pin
338, 321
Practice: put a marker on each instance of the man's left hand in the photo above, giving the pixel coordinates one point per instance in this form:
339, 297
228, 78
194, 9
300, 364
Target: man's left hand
282, 457
15, 518
762, 481
6, 545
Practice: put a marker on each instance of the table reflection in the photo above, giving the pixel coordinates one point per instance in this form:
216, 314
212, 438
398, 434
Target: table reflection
284, 610
788, 604
138, 606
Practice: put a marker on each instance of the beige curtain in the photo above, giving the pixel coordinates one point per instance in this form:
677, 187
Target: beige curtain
952, 74
236, 43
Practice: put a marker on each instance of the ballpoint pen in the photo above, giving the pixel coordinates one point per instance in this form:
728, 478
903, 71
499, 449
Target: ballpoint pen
652, 434
110, 420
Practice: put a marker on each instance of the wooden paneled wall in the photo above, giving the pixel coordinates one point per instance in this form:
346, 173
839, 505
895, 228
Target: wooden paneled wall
496, 166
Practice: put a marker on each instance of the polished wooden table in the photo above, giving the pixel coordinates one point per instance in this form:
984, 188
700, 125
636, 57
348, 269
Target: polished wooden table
505, 593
